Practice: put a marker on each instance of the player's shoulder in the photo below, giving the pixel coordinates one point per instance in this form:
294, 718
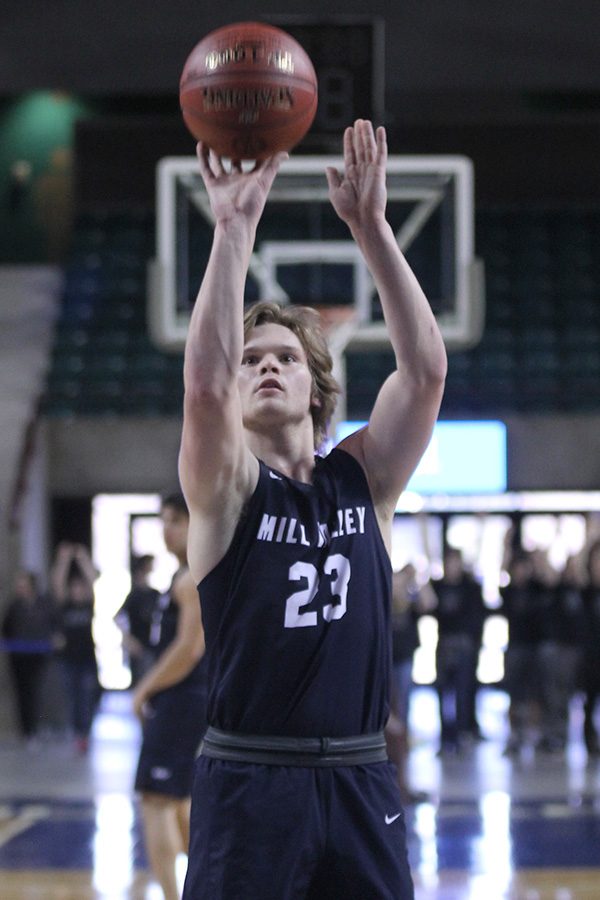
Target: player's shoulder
344, 465
183, 585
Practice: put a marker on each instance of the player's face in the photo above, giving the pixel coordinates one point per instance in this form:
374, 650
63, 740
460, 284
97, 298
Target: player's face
175, 531
275, 382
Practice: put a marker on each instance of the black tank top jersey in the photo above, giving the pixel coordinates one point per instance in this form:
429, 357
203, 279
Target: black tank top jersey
76, 622
163, 631
296, 614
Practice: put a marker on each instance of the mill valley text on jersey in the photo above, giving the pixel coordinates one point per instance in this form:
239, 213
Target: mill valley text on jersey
350, 520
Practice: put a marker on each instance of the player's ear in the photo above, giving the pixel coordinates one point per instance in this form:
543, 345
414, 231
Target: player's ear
315, 400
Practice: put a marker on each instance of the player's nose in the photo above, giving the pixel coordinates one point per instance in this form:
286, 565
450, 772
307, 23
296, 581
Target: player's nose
269, 363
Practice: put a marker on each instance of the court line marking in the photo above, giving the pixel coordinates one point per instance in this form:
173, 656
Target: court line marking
21, 821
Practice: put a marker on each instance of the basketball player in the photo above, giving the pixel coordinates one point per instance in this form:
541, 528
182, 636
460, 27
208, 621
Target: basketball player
293, 794
171, 703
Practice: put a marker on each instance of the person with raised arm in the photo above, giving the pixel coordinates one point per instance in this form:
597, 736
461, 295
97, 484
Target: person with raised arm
293, 794
72, 578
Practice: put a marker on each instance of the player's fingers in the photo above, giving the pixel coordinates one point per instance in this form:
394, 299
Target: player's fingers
217, 162
203, 154
334, 179
280, 157
359, 141
349, 147
270, 165
366, 141
381, 138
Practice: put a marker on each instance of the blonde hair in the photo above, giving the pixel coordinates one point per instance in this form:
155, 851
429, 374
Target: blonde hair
305, 323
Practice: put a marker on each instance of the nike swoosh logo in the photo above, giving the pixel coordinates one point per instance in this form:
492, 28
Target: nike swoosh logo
274, 476
390, 819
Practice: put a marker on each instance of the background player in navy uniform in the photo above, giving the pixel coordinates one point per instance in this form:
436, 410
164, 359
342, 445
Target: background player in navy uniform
293, 795
135, 616
171, 702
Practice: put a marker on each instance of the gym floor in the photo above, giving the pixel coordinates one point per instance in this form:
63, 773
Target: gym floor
493, 827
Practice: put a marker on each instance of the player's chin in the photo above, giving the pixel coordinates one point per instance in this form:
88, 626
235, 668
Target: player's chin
266, 414
270, 397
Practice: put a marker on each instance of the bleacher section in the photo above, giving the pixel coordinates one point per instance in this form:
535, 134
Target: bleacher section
103, 360
540, 350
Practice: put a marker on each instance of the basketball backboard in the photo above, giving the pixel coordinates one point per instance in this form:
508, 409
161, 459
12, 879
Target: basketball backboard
304, 253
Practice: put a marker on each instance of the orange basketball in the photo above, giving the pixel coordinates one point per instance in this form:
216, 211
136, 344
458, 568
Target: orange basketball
248, 90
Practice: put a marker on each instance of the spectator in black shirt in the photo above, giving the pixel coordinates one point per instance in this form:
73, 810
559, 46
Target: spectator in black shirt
460, 612
560, 653
522, 609
27, 630
136, 616
591, 663
72, 577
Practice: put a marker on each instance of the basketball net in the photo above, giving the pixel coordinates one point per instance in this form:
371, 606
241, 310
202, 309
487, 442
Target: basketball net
339, 323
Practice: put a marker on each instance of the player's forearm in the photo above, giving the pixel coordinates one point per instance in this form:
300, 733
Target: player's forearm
58, 580
215, 337
412, 328
87, 568
173, 666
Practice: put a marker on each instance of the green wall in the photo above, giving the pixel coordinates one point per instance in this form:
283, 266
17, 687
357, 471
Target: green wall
35, 215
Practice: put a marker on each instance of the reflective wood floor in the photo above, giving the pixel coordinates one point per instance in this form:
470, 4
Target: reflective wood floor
492, 828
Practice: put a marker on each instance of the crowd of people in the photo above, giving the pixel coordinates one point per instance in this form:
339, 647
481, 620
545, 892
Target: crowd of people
40, 627
552, 653
553, 648
47, 631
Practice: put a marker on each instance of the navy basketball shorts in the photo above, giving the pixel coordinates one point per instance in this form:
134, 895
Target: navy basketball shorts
265, 832
171, 738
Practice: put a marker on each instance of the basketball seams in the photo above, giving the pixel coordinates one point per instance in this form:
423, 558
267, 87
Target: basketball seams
270, 128
230, 78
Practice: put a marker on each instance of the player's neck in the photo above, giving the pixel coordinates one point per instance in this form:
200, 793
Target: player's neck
289, 450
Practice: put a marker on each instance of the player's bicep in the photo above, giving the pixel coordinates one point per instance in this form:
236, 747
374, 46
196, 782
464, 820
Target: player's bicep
190, 632
397, 435
399, 431
212, 449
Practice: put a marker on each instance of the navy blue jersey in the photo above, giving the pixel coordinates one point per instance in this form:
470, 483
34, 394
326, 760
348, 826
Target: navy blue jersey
296, 614
163, 630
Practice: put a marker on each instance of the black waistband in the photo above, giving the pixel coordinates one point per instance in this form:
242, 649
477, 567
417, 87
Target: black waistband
292, 751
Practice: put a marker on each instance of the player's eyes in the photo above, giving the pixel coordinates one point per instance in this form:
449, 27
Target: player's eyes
288, 357
249, 361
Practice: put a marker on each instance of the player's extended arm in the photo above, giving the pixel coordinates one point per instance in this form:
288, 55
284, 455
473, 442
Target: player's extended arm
183, 653
408, 403
60, 570
214, 463
87, 569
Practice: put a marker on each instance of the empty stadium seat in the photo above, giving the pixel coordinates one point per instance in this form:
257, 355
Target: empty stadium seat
540, 347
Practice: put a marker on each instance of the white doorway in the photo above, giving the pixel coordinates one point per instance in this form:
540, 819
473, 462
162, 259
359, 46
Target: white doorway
123, 525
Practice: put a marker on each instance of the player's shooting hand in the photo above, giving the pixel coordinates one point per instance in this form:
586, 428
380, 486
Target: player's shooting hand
359, 194
234, 193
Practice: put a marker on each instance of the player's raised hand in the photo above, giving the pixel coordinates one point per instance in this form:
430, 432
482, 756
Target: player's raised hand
359, 194
234, 193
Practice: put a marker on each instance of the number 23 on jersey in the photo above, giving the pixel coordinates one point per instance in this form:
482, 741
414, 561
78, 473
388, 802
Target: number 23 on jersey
337, 569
